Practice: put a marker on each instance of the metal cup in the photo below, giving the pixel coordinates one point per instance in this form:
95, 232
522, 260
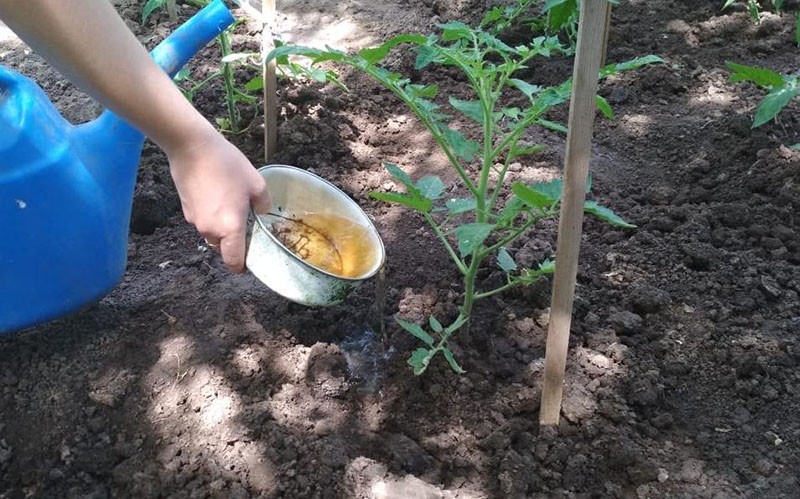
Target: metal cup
296, 193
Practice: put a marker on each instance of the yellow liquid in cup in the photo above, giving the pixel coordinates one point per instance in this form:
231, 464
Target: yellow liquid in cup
332, 243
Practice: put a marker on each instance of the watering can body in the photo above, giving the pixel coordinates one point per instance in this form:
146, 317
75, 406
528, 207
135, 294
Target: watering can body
66, 191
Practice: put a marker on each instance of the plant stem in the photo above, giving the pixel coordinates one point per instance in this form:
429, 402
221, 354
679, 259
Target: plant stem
438, 231
487, 294
227, 76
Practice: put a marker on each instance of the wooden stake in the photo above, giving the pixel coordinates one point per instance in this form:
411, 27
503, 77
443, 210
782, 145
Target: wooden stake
270, 82
576, 168
606, 31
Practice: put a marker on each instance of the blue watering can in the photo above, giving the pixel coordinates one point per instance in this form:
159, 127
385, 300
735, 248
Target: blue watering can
66, 191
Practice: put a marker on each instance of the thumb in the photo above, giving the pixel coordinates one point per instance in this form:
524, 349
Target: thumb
260, 200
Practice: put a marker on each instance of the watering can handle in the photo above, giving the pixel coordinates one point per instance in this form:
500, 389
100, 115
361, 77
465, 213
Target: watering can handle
188, 39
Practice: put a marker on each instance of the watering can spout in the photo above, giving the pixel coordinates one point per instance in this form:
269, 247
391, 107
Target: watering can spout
109, 146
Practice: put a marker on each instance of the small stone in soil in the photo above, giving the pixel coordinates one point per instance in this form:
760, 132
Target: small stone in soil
625, 322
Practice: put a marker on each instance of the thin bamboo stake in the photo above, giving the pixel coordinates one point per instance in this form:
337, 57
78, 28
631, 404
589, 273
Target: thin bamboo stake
576, 168
606, 31
270, 82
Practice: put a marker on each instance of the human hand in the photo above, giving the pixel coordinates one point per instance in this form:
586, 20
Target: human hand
217, 185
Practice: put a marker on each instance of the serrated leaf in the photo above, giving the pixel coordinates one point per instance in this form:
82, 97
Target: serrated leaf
430, 187
462, 146
471, 236
435, 324
606, 215
772, 104
461, 205
760, 76
551, 189
416, 331
472, 109
505, 262
454, 30
398, 173
420, 359
604, 107
418, 203
460, 321
547, 267
425, 56
512, 112
376, 54
531, 197
423, 91
448, 355
525, 87
255, 84
542, 195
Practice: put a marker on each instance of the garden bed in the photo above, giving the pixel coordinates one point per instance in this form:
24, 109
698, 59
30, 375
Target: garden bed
682, 377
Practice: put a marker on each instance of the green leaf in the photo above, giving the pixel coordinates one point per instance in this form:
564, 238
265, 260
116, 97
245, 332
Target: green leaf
551, 125
778, 4
542, 195
183, 74
531, 197
431, 187
418, 203
631, 64
604, 107
376, 54
796, 147
420, 359
517, 151
606, 215
255, 84
435, 324
460, 321
772, 104
425, 56
462, 146
505, 262
455, 30
416, 331
546, 267
423, 91
471, 236
760, 76
525, 87
461, 205
452, 361
728, 3
588, 183
149, 7
472, 109
752, 8
402, 176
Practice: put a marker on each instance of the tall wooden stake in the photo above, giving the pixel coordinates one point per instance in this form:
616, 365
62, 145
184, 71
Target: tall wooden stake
589, 52
270, 82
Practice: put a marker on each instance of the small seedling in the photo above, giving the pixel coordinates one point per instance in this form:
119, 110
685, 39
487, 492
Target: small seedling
781, 89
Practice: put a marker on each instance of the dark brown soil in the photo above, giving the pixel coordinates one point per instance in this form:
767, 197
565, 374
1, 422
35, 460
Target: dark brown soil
682, 381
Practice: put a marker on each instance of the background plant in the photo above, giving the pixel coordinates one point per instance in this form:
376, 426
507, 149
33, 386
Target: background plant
235, 95
781, 89
479, 225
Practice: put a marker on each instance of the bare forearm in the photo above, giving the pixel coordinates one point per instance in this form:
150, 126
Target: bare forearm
90, 44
